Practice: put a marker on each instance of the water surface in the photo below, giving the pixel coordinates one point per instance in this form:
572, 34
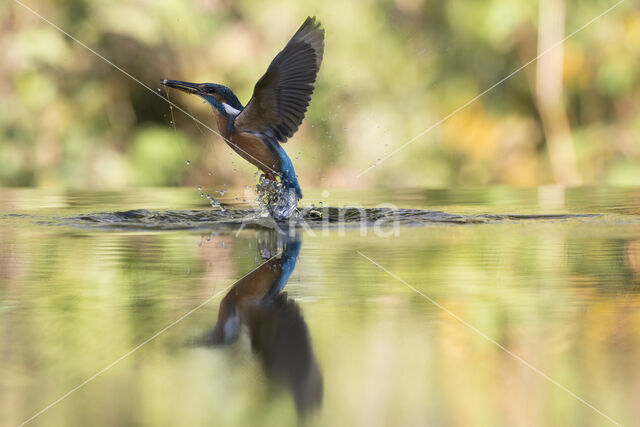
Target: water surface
279, 329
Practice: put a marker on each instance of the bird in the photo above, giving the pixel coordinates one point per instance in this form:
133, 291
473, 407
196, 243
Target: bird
276, 109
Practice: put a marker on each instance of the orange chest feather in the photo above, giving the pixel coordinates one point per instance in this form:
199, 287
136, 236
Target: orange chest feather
249, 146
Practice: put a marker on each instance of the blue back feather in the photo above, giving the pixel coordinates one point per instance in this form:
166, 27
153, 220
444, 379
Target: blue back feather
288, 174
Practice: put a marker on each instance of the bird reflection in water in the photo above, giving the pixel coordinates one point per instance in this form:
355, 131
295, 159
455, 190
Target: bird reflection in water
278, 333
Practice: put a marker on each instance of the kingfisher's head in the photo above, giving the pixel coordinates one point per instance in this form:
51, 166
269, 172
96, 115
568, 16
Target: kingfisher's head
207, 91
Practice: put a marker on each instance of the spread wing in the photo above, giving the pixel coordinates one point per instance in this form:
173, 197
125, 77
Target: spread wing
281, 96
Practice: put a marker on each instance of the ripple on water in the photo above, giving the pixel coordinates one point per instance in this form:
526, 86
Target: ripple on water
143, 219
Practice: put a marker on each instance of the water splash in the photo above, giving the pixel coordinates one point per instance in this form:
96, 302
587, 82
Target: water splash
274, 198
215, 204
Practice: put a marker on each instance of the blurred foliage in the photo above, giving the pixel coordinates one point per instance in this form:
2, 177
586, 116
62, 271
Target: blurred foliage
392, 69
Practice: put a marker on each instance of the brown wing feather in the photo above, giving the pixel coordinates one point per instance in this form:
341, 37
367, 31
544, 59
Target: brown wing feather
281, 96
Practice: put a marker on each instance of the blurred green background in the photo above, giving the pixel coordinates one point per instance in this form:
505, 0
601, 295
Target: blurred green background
392, 68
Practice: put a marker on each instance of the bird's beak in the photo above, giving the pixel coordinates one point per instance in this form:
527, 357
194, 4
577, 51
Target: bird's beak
183, 86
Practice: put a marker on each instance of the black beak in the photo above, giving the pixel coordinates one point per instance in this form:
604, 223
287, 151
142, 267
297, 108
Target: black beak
183, 86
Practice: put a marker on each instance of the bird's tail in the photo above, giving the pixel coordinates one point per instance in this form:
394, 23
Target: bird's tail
290, 182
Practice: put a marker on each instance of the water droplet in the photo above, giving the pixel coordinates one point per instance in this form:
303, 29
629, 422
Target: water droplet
188, 162
159, 90
209, 172
199, 188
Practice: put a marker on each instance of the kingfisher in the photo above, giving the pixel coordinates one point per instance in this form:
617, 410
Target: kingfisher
276, 109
